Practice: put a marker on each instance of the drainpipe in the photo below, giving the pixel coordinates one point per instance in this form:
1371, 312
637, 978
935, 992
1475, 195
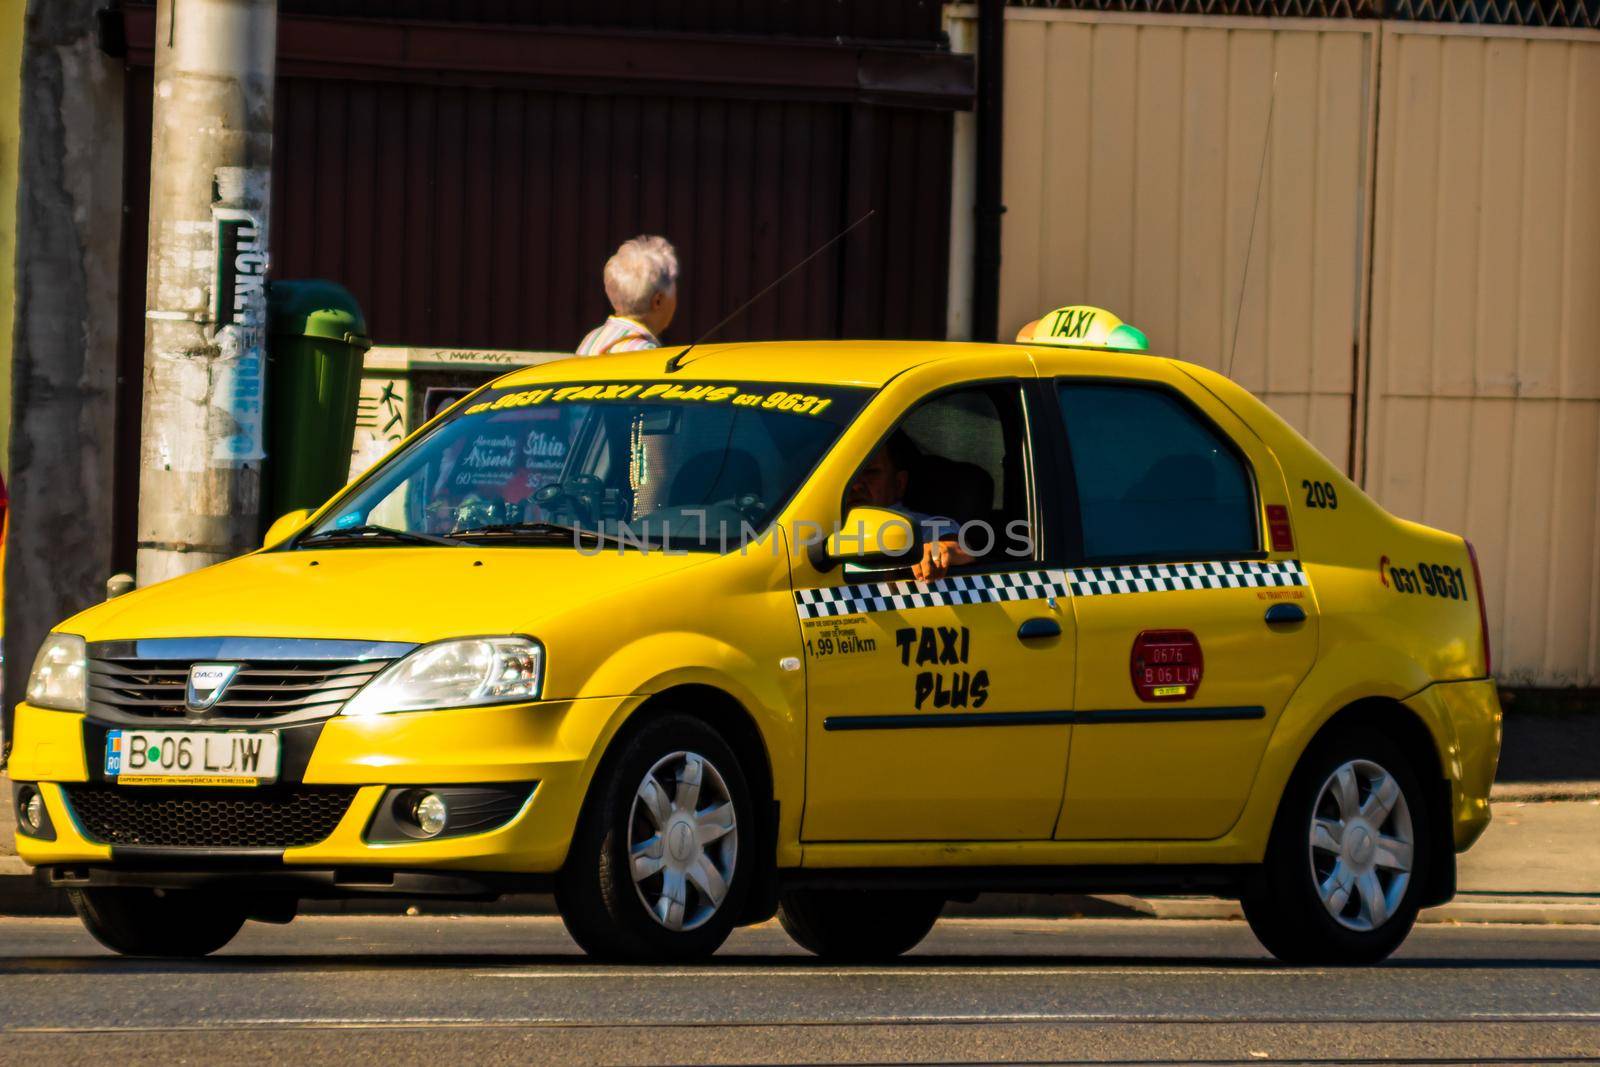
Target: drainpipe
988, 206
963, 34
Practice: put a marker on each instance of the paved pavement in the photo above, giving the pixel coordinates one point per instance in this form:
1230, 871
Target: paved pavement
8, 819
1551, 847
1537, 862
488, 990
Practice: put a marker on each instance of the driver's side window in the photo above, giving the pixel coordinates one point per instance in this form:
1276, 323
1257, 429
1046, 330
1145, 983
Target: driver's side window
955, 462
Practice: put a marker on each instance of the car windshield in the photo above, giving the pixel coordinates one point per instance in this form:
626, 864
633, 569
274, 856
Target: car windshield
690, 465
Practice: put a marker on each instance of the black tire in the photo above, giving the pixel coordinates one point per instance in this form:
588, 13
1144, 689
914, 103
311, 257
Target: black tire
1282, 901
148, 922
603, 908
858, 925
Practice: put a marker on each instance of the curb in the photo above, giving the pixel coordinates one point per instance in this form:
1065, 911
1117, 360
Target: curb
1517, 909
22, 894
1524, 792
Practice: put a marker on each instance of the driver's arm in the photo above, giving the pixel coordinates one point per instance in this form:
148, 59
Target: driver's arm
937, 559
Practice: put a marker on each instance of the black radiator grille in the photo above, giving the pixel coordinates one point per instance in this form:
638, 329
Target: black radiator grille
229, 817
140, 689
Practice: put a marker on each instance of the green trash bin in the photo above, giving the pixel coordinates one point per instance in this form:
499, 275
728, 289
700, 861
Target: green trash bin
316, 340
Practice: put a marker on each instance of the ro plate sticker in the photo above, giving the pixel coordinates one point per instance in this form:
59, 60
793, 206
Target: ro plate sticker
1166, 665
114, 751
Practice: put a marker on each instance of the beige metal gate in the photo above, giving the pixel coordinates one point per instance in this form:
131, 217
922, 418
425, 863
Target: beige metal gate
1442, 174
1485, 381
1133, 146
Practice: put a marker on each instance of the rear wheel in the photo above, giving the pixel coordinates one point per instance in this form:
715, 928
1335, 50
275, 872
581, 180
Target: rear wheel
158, 922
659, 866
1349, 856
858, 925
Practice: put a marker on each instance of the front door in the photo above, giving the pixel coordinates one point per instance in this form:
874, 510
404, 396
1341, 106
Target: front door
939, 711
1192, 635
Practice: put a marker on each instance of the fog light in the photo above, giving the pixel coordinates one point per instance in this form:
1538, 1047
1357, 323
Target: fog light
430, 814
438, 812
30, 809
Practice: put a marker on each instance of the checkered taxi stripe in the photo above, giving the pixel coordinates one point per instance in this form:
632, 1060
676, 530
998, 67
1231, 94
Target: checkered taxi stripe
900, 596
1037, 585
1163, 577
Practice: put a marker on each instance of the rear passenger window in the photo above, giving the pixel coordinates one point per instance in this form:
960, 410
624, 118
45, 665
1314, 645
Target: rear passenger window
1154, 479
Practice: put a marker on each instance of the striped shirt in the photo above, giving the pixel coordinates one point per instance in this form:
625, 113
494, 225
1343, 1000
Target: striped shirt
617, 334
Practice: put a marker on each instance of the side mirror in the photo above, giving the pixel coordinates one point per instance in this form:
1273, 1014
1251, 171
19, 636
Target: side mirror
284, 527
875, 537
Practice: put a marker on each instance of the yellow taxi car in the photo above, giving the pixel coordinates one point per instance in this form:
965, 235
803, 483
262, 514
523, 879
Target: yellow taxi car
641, 630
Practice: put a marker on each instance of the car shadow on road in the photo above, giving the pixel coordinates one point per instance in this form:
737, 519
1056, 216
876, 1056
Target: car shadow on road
508, 963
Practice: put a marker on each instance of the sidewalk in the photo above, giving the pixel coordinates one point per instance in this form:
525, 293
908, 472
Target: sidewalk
1539, 862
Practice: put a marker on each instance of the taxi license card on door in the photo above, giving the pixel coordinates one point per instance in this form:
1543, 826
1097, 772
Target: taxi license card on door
191, 757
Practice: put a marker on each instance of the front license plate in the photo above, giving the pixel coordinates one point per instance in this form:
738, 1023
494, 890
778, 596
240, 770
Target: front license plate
191, 757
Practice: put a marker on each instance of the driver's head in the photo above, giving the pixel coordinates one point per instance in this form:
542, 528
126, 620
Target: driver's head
881, 480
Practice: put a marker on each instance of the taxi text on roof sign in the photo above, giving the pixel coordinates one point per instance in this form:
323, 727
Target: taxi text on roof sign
1080, 324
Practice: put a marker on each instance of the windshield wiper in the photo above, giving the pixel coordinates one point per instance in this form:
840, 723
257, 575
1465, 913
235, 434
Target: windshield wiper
372, 533
542, 531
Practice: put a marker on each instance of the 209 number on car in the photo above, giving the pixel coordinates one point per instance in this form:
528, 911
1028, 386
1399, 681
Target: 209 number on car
1319, 494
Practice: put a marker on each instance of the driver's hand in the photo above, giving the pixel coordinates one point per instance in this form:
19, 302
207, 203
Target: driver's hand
937, 559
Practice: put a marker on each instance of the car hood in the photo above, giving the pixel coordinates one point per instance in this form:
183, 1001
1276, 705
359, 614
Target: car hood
377, 594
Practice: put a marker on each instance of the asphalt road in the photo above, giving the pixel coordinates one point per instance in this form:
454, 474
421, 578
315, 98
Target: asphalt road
487, 990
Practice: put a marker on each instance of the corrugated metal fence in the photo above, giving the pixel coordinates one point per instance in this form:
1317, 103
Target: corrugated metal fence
1423, 300
1485, 382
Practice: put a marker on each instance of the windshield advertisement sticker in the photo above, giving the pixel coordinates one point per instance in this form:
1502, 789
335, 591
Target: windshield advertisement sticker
814, 402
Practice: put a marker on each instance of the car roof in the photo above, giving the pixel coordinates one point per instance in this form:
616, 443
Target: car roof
864, 363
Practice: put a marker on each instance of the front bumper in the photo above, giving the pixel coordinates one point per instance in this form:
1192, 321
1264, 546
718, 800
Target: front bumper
553, 743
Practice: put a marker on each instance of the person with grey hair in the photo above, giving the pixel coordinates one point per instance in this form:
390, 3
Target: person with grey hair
642, 284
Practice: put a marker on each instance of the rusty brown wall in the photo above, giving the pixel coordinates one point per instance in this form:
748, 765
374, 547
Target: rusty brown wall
481, 215
862, 19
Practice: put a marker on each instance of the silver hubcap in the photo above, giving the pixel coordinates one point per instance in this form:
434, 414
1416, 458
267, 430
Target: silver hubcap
682, 841
1361, 845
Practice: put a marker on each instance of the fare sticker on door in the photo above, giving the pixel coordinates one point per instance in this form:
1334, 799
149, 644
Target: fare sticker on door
1166, 665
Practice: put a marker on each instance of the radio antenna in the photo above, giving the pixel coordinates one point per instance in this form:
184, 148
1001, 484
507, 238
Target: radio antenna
1250, 242
675, 362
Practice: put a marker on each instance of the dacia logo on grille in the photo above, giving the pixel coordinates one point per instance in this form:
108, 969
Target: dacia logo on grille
207, 682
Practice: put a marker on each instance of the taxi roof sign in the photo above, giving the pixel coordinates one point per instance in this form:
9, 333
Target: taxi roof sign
1081, 325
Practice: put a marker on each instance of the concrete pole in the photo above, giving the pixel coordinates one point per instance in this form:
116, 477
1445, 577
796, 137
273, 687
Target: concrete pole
205, 305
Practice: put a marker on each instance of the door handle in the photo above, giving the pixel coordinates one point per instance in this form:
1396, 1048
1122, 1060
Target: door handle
1282, 613
1036, 628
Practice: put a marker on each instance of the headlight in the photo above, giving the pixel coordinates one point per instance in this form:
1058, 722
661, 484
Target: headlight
60, 677
455, 674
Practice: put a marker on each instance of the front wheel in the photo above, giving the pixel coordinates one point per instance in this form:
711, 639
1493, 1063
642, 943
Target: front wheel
659, 866
1349, 856
154, 922
858, 925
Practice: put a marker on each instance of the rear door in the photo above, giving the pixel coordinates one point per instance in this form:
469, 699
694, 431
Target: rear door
1193, 629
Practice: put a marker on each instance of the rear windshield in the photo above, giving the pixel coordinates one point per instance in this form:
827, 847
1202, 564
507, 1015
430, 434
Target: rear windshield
687, 463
